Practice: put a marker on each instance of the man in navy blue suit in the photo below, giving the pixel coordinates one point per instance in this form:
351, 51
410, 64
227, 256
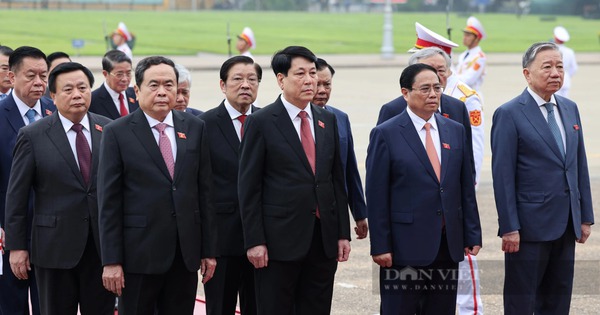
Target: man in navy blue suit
541, 187
421, 198
29, 75
356, 196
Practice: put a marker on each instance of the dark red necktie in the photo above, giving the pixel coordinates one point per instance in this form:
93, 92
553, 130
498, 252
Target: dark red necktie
308, 144
242, 119
84, 154
123, 108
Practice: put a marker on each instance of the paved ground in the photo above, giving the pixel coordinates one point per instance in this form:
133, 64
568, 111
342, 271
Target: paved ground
361, 85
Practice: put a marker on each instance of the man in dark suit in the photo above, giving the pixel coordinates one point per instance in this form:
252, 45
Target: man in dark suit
22, 106
57, 159
54, 59
541, 187
114, 98
154, 192
292, 196
421, 198
354, 188
183, 91
240, 78
5, 84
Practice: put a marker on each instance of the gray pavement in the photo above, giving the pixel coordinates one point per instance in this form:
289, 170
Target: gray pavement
361, 85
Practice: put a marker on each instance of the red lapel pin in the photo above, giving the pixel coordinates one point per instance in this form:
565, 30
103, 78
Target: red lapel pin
98, 127
48, 112
446, 115
446, 146
321, 124
576, 127
131, 100
181, 135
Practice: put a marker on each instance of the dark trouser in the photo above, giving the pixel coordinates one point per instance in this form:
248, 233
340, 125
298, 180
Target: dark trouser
14, 293
426, 290
302, 287
173, 292
63, 290
539, 277
233, 274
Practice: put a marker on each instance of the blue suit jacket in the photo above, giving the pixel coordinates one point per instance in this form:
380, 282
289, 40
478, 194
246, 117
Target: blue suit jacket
10, 123
534, 187
406, 200
194, 111
356, 199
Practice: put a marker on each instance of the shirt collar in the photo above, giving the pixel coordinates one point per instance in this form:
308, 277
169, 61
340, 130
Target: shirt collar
168, 120
293, 111
67, 124
23, 108
112, 92
234, 113
539, 100
420, 122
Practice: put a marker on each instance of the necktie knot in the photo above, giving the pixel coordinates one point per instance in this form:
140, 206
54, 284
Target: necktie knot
161, 127
549, 107
303, 114
2, 96
30, 115
77, 127
242, 118
427, 127
121, 98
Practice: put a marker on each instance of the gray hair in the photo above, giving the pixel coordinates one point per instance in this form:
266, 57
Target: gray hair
184, 74
532, 52
427, 53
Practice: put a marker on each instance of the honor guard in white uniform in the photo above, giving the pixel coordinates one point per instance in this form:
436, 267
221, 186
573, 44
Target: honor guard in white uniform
468, 298
246, 41
470, 66
561, 36
120, 37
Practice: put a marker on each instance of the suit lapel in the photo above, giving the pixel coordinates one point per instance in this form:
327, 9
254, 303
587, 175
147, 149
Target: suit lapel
319, 127
14, 117
109, 103
569, 122
96, 137
58, 137
444, 138
181, 132
141, 129
532, 112
286, 127
226, 126
413, 140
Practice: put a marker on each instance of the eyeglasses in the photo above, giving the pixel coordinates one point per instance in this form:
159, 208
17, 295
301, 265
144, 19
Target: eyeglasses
121, 75
425, 90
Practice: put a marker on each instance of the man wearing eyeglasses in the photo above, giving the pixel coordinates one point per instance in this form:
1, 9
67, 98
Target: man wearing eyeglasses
115, 98
421, 201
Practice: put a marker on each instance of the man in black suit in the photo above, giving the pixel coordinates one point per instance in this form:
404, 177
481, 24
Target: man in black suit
22, 106
292, 195
5, 84
56, 158
154, 192
240, 78
183, 91
114, 98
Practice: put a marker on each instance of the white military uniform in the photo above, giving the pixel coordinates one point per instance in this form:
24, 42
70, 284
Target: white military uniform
125, 48
471, 67
459, 90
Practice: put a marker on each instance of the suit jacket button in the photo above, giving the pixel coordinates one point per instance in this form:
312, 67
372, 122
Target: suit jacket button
85, 219
441, 189
314, 212
173, 214
173, 188
439, 212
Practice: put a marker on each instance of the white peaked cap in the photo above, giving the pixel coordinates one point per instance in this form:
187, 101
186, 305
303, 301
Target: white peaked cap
248, 36
428, 38
561, 34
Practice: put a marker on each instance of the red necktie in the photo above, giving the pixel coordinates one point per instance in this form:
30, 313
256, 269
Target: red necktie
164, 144
123, 108
308, 144
242, 119
84, 154
431, 152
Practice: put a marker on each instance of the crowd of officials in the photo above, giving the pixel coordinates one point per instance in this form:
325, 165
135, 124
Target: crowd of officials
125, 191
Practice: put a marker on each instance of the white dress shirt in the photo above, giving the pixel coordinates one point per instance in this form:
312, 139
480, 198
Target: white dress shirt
169, 131
23, 109
419, 124
540, 101
234, 114
72, 135
293, 111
